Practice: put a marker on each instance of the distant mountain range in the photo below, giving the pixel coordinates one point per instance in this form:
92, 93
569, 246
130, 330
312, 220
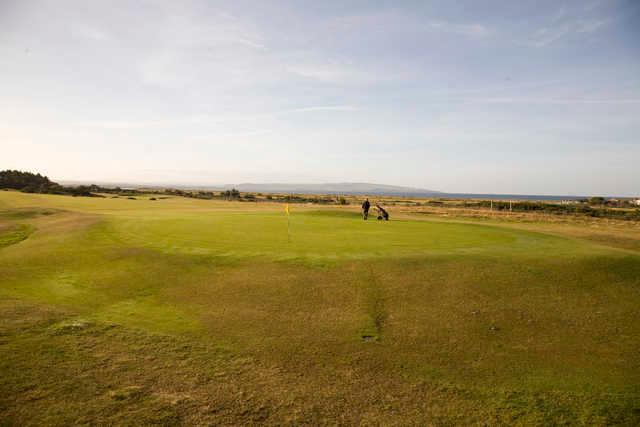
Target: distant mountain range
335, 188
328, 188
354, 188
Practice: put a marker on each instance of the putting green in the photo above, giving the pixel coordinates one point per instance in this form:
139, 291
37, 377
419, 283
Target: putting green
322, 235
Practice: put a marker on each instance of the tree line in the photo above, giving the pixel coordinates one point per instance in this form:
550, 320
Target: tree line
29, 182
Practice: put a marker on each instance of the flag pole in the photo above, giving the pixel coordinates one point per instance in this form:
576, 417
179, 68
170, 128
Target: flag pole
286, 209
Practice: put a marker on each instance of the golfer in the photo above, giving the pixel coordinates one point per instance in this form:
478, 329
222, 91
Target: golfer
365, 209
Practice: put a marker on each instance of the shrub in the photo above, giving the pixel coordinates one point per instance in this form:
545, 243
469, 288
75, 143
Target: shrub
19, 180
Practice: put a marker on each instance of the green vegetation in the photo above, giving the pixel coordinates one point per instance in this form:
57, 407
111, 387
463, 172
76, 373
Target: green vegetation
190, 311
596, 207
28, 182
592, 209
13, 234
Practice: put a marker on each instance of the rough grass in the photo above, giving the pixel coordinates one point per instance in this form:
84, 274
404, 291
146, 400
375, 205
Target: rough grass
190, 312
10, 234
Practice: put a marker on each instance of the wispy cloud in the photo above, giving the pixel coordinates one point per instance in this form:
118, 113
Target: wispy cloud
469, 30
88, 32
321, 108
328, 73
565, 23
396, 21
505, 87
232, 134
213, 119
188, 38
526, 100
548, 35
334, 72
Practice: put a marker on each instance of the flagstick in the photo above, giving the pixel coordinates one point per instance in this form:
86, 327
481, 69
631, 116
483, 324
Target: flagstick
286, 209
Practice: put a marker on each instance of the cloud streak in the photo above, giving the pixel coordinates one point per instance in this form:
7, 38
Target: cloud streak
526, 100
566, 23
87, 32
394, 21
468, 30
214, 119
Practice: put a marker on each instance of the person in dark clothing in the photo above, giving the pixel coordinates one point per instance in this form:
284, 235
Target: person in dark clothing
382, 214
365, 209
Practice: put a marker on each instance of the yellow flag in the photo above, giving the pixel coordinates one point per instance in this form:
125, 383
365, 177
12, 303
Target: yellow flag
286, 208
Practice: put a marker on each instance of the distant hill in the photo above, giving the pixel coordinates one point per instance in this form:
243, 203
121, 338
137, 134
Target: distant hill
327, 188
333, 188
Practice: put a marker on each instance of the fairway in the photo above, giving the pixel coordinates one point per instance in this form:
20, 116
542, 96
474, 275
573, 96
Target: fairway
186, 311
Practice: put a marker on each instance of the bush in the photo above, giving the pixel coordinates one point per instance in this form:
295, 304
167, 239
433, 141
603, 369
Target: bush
230, 194
26, 181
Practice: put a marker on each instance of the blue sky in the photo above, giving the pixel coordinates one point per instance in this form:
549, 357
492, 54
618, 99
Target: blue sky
469, 96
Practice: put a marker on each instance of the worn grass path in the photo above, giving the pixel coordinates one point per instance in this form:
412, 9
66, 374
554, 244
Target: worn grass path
182, 311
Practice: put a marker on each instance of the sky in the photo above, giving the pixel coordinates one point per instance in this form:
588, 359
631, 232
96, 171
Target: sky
516, 97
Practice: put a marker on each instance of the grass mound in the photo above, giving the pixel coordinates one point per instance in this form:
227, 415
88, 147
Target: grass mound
315, 237
12, 234
26, 213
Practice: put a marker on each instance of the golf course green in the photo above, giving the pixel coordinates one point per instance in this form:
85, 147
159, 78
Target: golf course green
187, 311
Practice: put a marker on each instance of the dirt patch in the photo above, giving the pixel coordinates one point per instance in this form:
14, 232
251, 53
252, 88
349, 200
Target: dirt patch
70, 326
